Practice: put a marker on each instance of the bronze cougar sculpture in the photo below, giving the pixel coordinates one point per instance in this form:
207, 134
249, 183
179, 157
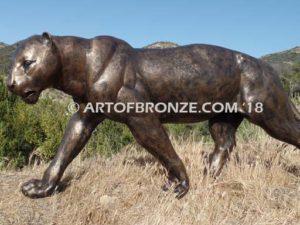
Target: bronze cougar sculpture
107, 69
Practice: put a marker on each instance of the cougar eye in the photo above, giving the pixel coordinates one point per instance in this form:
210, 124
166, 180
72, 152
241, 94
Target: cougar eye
27, 63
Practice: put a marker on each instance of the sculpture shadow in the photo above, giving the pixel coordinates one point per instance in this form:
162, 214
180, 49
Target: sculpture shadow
67, 180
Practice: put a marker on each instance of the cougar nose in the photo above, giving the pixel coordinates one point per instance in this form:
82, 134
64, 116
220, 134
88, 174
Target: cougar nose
11, 84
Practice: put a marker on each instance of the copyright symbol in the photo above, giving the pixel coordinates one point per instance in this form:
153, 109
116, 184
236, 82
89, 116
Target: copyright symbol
73, 107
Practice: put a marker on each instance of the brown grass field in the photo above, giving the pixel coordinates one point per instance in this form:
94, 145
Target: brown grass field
259, 186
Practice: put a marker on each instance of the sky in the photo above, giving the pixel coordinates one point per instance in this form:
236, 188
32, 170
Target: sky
255, 27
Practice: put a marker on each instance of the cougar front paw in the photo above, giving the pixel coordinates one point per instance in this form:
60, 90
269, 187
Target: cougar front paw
37, 189
181, 189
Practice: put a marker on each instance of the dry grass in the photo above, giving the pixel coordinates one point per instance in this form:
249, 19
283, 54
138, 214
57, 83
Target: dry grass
260, 185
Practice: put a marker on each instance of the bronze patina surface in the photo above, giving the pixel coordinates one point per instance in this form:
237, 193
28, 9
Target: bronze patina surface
106, 69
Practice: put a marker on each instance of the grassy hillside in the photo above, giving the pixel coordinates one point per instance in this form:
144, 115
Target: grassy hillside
2, 45
284, 61
287, 64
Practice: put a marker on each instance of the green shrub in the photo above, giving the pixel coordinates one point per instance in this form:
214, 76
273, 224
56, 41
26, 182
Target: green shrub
198, 131
248, 131
108, 138
291, 80
27, 129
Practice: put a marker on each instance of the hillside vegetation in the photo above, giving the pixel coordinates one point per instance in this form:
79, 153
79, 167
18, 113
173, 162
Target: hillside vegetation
2, 45
284, 61
287, 64
6, 52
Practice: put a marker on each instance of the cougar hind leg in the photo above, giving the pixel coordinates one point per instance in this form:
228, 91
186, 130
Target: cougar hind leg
222, 129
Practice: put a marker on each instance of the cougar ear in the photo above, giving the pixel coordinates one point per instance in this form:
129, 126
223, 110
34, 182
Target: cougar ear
47, 39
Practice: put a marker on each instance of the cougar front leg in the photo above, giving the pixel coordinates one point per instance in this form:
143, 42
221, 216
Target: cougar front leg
78, 132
